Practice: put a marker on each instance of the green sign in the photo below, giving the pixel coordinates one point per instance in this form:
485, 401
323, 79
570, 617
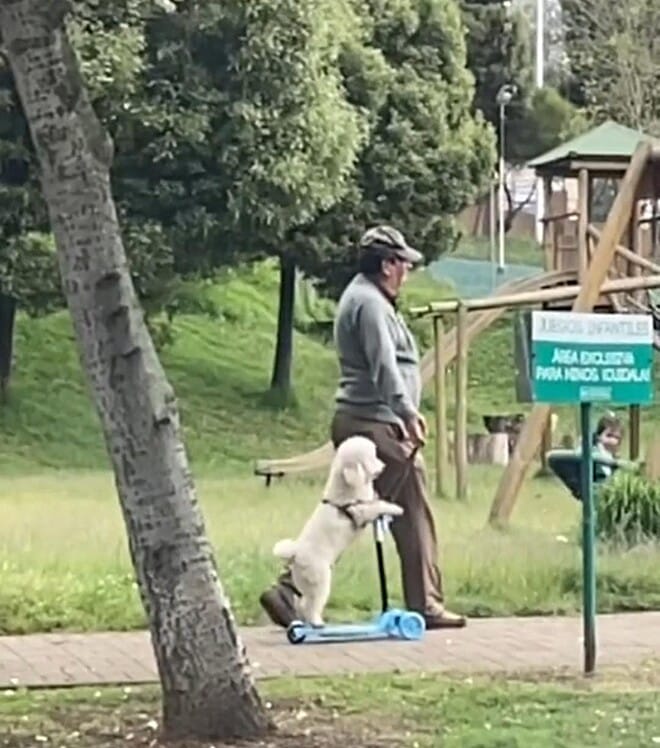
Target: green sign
578, 358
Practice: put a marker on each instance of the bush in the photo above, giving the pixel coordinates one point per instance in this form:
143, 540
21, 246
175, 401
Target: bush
628, 509
29, 272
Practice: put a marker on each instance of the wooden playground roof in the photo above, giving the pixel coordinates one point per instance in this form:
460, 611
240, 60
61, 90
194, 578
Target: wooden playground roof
606, 148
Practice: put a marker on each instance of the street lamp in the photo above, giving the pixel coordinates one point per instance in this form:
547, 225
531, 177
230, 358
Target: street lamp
540, 75
503, 98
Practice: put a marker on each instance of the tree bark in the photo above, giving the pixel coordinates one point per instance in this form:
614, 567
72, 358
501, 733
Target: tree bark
208, 689
513, 210
281, 379
7, 318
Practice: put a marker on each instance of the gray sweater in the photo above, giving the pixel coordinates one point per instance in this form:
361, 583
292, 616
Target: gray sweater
378, 358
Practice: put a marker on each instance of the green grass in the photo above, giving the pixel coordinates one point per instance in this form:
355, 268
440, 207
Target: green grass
64, 563
621, 708
219, 367
62, 544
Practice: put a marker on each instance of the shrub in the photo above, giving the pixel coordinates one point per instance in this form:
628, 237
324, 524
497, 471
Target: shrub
29, 272
628, 509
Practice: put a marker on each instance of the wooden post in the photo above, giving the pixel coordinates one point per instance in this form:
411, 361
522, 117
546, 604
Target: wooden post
460, 432
637, 236
655, 228
652, 466
634, 425
546, 443
530, 436
549, 228
441, 458
583, 224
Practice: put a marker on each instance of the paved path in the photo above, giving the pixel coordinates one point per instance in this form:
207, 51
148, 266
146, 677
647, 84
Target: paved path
487, 645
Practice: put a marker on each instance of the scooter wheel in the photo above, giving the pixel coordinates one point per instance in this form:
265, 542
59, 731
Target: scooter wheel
295, 632
389, 622
411, 626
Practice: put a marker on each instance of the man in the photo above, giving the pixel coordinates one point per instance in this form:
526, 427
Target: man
379, 397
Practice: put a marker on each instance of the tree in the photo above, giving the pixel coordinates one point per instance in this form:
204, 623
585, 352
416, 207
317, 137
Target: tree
109, 42
426, 154
499, 52
258, 135
289, 78
549, 120
28, 280
499, 43
614, 56
207, 688
552, 120
553, 41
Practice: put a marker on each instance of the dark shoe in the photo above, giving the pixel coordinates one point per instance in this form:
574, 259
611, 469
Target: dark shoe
445, 620
278, 602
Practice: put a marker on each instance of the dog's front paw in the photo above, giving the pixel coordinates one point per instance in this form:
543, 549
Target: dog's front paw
391, 510
388, 509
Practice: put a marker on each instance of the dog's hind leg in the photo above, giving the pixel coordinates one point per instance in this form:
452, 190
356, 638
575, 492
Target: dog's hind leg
316, 596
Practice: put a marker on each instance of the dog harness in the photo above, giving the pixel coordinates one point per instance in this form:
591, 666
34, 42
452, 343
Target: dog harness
345, 509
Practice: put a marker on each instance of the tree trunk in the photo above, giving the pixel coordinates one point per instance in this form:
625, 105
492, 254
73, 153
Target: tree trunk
513, 210
7, 317
281, 379
208, 690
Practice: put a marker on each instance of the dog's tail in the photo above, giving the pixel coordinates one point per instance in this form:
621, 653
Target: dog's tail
285, 549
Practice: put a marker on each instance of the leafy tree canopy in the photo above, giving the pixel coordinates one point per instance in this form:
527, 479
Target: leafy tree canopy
427, 152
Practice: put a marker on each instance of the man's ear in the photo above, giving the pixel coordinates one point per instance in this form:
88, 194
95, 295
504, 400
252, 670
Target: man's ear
354, 475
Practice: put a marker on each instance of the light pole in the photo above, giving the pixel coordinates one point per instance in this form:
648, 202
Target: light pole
540, 82
504, 96
539, 67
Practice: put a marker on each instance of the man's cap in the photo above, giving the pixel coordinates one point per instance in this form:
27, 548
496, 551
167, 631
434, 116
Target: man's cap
389, 241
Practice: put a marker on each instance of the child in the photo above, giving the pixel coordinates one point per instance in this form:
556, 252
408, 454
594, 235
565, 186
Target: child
608, 435
607, 440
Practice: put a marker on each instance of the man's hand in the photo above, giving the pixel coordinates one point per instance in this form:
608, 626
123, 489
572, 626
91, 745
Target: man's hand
416, 429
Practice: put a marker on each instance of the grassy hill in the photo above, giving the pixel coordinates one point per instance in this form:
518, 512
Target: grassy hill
220, 368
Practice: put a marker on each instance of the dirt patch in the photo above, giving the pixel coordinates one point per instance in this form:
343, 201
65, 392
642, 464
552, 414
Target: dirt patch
298, 725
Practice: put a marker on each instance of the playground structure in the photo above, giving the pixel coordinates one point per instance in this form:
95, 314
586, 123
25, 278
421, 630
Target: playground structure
590, 265
611, 276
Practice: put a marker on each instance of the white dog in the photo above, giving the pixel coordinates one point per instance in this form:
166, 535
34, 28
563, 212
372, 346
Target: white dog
349, 505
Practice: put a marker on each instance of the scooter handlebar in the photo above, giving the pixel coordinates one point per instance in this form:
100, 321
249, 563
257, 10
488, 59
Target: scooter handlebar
382, 526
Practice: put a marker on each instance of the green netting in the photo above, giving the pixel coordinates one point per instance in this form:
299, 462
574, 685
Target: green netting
475, 278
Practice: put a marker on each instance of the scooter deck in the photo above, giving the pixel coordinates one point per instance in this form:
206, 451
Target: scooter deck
394, 624
390, 624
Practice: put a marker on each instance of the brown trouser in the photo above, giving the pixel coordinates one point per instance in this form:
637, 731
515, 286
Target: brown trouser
414, 532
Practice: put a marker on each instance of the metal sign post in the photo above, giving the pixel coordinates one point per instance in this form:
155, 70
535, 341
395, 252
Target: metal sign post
583, 359
588, 543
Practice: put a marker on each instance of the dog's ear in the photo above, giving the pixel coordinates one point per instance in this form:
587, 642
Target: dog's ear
354, 475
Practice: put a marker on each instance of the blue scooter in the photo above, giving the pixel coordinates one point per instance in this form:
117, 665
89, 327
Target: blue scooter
389, 624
